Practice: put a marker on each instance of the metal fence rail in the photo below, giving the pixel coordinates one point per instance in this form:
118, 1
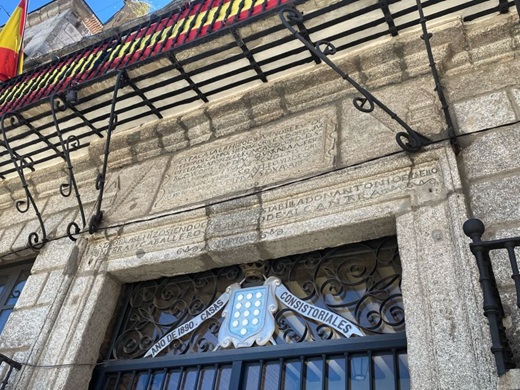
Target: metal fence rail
493, 309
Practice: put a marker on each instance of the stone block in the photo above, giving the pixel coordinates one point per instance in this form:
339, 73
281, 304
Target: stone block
47, 259
31, 291
484, 112
492, 153
293, 148
496, 201
265, 105
51, 287
510, 380
134, 190
230, 117
199, 127
304, 91
365, 136
172, 136
492, 41
9, 236
516, 97
23, 327
481, 81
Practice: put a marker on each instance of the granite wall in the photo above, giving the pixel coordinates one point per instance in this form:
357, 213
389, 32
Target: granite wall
286, 169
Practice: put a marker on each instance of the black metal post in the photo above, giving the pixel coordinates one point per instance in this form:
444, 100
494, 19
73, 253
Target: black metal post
438, 85
409, 140
58, 102
20, 163
13, 364
95, 221
474, 228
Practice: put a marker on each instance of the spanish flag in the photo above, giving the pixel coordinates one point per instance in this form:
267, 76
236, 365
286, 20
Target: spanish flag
11, 37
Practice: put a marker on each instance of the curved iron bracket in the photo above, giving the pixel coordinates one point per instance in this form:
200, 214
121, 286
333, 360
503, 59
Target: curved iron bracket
59, 103
438, 85
20, 163
409, 140
96, 219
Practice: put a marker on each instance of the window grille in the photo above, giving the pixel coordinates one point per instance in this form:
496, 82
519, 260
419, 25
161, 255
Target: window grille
359, 282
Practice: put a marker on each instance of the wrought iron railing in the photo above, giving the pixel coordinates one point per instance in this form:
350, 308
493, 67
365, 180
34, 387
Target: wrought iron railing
493, 309
12, 365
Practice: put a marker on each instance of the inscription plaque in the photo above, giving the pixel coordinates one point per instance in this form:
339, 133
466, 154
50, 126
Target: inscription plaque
378, 188
179, 236
290, 149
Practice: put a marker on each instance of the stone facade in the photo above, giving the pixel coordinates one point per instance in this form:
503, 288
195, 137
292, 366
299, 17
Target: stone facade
289, 168
56, 25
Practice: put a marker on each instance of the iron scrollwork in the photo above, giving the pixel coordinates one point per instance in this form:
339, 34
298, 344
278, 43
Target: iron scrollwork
59, 103
409, 140
95, 221
15, 119
359, 282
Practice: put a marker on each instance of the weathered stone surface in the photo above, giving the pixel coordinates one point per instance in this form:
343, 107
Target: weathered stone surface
23, 327
198, 125
349, 194
31, 290
230, 117
172, 136
481, 81
484, 112
437, 314
496, 201
265, 105
47, 260
492, 153
365, 136
510, 380
133, 190
290, 149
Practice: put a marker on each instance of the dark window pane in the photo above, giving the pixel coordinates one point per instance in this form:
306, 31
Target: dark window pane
359, 378
190, 379
271, 375
17, 289
224, 378
3, 281
173, 379
207, 378
292, 375
142, 381
336, 373
313, 373
3, 318
404, 374
384, 372
251, 378
157, 381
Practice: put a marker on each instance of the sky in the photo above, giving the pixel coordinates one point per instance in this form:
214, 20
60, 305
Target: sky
104, 9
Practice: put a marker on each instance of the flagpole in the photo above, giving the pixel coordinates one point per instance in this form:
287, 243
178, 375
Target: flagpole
21, 54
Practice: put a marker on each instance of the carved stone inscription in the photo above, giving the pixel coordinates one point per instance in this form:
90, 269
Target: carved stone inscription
349, 195
183, 236
279, 152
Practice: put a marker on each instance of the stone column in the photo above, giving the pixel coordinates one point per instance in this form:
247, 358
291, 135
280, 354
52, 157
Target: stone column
65, 313
448, 343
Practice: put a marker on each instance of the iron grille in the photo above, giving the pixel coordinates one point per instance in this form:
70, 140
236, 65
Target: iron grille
360, 282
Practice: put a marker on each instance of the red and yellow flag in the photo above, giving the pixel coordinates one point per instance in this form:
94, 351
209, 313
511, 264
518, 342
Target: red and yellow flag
11, 37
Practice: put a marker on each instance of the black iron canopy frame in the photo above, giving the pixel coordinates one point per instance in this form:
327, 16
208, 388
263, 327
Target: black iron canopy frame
65, 94
493, 309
